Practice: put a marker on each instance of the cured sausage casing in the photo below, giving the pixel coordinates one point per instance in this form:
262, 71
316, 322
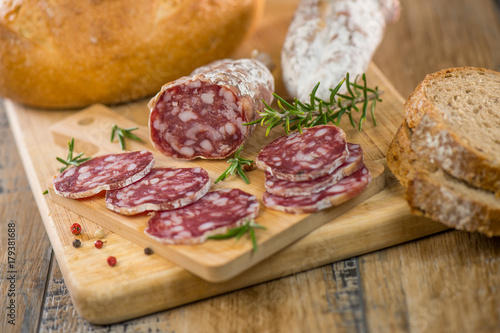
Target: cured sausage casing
328, 38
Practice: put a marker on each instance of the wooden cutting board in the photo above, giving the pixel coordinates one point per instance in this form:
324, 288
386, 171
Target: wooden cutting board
140, 284
214, 261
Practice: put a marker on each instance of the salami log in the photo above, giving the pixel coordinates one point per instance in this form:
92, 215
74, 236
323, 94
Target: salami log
344, 190
202, 115
106, 172
215, 213
285, 188
161, 189
314, 153
328, 38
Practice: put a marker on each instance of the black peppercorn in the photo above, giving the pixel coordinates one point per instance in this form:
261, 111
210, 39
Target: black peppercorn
148, 251
77, 243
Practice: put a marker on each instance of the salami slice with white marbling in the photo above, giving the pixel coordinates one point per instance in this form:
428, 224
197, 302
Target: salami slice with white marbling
285, 188
328, 38
161, 189
346, 189
314, 153
202, 115
106, 172
215, 213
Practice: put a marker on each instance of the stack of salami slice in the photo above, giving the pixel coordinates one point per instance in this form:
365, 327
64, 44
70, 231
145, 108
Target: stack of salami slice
313, 170
185, 212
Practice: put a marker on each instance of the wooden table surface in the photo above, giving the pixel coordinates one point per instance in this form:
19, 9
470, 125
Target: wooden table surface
443, 283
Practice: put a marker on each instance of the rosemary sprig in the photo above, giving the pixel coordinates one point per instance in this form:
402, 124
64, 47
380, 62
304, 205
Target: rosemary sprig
70, 160
297, 115
239, 165
123, 133
237, 232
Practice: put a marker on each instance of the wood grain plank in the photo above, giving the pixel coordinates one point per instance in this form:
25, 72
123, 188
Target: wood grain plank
25, 269
345, 297
448, 283
285, 305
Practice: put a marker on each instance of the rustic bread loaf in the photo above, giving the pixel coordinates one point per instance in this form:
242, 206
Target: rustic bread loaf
74, 53
447, 151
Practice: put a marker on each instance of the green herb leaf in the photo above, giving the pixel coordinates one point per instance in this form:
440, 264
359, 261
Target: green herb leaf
70, 160
45, 192
238, 164
229, 234
297, 115
238, 232
242, 231
123, 133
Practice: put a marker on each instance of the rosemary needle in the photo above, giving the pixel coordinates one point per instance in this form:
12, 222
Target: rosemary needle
122, 134
70, 160
297, 115
238, 164
238, 232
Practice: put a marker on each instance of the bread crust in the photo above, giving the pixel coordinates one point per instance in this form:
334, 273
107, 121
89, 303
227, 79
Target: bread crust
400, 156
401, 159
77, 53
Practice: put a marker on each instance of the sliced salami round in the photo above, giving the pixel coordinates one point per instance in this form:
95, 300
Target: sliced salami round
344, 190
215, 213
202, 115
314, 153
161, 189
106, 172
285, 188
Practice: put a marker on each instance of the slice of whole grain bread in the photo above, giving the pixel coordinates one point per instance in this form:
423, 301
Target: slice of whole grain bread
461, 94
433, 193
453, 203
447, 151
455, 118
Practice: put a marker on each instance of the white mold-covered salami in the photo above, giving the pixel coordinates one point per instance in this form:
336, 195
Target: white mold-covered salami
285, 188
346, 189
202, 115
215, 213
106, 172
161, 189
314, 153
328, 38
